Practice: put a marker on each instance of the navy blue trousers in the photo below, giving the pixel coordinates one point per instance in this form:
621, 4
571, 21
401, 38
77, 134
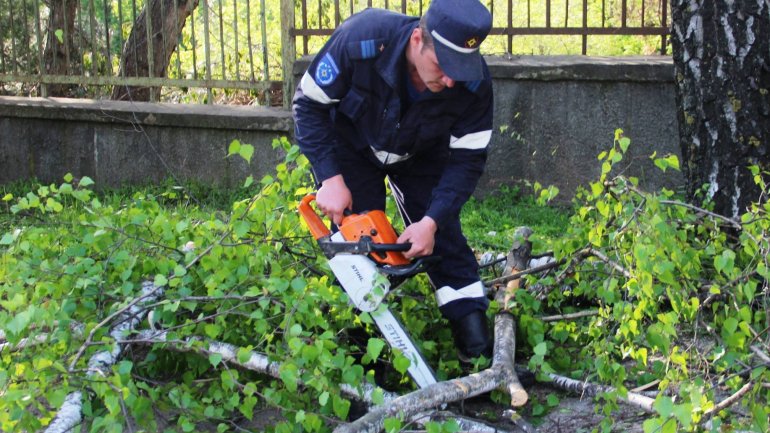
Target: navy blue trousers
459, 290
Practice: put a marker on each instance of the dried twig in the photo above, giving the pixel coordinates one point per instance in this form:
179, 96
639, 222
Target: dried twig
570, 316
729, 401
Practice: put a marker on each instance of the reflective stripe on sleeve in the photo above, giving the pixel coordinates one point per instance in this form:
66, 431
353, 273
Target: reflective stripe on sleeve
314, 92
447, 294
473, 141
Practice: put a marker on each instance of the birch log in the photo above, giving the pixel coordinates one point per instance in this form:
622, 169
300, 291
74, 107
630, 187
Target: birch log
70, 414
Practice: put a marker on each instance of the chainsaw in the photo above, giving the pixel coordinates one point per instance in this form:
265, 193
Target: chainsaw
367, 260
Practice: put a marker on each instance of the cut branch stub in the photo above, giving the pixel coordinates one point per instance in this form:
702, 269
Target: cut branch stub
517, 261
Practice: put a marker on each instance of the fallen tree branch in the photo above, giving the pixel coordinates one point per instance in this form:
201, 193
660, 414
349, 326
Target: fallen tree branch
501, 373
260, 363
591, 390
727, 402
70, 414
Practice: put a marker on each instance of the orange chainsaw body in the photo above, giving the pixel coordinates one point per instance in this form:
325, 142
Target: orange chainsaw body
374, 224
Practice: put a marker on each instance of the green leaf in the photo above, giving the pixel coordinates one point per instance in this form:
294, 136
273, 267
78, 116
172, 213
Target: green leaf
288, 374
124, 367
401, 363
246, 151
540, 349
249, 181
234, 148
59, 35
323, 398
392, 425
241, 228
160, 280
664, 406
340, 406
215, 359
7, 239
374, 347
85, 181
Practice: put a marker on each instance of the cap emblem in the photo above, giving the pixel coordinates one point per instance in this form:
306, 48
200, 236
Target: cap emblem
471, 43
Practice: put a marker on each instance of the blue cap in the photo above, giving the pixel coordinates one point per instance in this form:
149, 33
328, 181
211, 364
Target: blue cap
458, 27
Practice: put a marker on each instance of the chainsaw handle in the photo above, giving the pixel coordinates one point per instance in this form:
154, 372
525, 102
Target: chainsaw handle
382, 248
313, 221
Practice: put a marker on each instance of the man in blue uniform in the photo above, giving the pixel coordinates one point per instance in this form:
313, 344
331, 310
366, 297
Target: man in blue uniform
409, 99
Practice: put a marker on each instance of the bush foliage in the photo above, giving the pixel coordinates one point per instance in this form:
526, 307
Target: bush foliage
680, 295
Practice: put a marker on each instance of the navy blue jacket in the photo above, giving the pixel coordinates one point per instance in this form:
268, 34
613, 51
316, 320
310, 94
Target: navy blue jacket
351, 95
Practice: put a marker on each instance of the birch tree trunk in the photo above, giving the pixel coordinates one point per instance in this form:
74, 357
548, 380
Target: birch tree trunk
721, 52
167, 19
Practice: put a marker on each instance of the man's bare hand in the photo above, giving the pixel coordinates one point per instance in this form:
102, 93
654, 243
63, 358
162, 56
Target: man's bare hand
422, 235
333, 198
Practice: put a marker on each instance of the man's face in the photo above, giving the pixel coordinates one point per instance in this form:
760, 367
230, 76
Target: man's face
429, 70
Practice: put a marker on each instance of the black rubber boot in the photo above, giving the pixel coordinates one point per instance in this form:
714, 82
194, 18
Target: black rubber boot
471, 336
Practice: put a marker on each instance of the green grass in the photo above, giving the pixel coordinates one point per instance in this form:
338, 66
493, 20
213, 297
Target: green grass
489, 223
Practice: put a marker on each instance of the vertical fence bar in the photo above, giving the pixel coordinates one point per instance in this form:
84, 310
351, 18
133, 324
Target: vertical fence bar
492, 10
566, 13
14, 56
192, 42
265, 58
92, 25
40, 53
664, 24
2, 44
529, 13
134, 47
585, 26
178, 30
107, 36
548, 13
222, 40
510, 26
252, 76
120, 35
162, 32
235, 29
288, 50
304, 26
624, 13
643, 12
604, 12
27, 38
150, 48
80, 25
403, 7
207, 50
337, 13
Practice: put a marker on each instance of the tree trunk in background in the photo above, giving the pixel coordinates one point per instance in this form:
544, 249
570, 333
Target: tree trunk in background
61, 56
721, 52
167, 21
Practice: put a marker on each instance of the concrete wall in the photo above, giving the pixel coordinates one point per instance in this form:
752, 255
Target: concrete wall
118, 143
553, 116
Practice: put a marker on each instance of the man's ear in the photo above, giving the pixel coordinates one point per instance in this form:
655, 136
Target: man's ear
416, 38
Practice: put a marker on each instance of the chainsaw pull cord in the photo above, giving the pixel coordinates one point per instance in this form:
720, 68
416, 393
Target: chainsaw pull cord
399, 197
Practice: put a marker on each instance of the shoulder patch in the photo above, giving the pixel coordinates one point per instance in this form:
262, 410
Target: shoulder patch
326, 71
367, 49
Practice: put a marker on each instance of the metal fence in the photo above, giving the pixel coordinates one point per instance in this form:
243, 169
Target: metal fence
242, 50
